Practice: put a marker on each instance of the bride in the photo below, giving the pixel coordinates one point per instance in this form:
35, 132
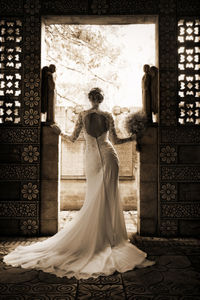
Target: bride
95, 242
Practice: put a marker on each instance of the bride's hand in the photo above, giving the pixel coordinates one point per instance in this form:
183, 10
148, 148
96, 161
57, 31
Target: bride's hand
133, 137
65, 136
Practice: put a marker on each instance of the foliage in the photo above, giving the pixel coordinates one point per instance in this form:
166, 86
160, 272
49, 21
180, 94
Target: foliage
83, 54
136, 123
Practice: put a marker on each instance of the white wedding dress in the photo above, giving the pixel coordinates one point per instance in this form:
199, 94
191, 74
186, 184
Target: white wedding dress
95, 242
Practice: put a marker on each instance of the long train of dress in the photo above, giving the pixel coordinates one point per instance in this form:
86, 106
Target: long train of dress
95, 242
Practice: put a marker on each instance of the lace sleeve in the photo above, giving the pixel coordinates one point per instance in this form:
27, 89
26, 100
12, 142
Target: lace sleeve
77, 129
112, 132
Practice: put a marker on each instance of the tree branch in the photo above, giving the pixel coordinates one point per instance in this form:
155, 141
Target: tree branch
64, 97
83, 43
75, 70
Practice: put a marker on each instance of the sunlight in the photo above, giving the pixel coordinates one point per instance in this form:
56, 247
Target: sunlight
108, 56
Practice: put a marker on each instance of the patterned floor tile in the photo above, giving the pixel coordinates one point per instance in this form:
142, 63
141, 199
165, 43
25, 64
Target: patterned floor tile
158, 250
190, 250
175, 276
16, 275
142, 277
165, 278
96, 292
174, 261
90, 280
14, 297
150, 297
51, 278
111, 279
38, 297
39, 291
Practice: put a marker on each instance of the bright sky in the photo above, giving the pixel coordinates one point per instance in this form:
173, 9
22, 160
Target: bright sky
138, 49
137, 42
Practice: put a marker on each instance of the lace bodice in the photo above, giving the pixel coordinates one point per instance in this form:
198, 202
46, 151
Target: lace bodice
105, 123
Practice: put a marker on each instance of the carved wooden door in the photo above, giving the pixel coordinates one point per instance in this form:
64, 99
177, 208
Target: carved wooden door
19, 117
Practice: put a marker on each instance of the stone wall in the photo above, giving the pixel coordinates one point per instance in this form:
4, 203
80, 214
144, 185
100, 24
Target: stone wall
148, 204
50, 180
73, 194
73, 181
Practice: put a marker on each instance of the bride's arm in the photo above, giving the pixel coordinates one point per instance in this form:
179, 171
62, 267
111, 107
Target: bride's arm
76, 132
115, 138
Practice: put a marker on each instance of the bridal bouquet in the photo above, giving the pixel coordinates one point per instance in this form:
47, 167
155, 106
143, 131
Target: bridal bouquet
136, 123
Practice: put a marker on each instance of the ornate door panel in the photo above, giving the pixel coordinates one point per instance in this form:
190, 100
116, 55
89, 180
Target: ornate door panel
179, 204
19, 118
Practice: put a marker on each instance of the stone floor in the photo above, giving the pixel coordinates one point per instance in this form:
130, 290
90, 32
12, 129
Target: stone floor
176, 276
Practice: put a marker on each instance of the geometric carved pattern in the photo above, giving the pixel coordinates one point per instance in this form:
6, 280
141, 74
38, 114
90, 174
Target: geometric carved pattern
168, 192
185, 210
168, 109
32, 44
31, 110
29, 226
167, 62
168, 227
167, 100
180, 135
19, 172
18, 209
11, 70
31, 117
30, 154
62, 6
18, 135
181, 173
189, 8
189, 71
168, 154
99, 7
20, 81
179, 67
119, 7
9, 7
30, 191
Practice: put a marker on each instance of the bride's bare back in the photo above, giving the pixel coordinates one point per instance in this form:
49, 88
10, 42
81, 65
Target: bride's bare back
96, 124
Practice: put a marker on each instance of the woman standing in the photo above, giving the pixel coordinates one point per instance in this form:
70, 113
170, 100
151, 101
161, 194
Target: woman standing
95, 242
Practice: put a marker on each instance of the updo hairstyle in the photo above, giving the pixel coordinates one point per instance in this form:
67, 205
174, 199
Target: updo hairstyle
96, 94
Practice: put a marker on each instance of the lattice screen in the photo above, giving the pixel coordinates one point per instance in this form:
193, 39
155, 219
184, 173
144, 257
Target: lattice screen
11, 71
19, 120
179, 144
189, 71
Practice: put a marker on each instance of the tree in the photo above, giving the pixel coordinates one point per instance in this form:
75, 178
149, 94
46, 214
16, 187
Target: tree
85, 57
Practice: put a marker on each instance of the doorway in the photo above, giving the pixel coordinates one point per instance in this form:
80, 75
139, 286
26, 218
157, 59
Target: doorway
108, 52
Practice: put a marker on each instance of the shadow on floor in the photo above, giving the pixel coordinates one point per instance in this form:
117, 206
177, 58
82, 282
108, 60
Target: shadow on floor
176, 276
